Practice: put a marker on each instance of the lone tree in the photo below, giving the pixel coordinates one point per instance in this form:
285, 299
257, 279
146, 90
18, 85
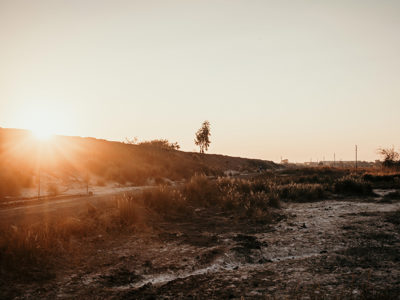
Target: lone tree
202, 137
390, 157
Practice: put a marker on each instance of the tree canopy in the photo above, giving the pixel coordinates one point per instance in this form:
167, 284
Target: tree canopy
203, 137
390, 157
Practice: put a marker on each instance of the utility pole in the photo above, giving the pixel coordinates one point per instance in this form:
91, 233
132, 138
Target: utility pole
334, 159
39, 160
38, 195
356, 157
87, 183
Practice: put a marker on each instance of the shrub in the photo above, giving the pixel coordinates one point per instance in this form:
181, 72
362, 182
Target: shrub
165, 200
202, 191
161, 144
241, 197
350, 185
383, 180
298, 192
230, 198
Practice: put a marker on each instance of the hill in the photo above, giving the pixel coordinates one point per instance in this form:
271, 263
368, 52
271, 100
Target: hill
68, 160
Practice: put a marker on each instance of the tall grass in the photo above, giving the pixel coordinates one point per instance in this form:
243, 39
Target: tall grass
300, 192
352, 185
239, 197
32, 246
200, 190
165, 200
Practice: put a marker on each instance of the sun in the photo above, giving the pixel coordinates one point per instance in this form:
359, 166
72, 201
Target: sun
44, 120
42, 124
42, 133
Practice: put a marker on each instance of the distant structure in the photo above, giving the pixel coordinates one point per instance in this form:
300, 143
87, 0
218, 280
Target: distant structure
341, 164
284, 161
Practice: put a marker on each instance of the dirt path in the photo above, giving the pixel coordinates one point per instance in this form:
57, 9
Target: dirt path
327, 249
32, 210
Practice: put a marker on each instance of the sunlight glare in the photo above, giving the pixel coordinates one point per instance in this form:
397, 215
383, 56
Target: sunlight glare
42, 122
42, 133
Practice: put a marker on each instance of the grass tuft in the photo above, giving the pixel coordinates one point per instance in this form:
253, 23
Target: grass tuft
351, 185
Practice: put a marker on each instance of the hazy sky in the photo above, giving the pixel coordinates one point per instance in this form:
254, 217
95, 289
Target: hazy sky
298, 79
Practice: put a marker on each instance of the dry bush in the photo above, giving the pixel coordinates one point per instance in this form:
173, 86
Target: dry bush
352, 185
165, 201
200, 190
325, 176
272, 188
383, 180
239, 197
300, 192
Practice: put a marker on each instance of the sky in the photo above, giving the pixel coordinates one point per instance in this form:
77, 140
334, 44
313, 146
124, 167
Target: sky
298, 79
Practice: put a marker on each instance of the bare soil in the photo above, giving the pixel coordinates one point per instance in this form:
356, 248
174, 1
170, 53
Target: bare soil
347, 248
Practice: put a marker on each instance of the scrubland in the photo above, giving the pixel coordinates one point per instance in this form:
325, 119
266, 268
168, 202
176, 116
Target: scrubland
70, 162
316, 233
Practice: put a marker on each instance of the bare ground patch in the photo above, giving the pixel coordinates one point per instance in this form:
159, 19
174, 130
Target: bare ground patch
314, 250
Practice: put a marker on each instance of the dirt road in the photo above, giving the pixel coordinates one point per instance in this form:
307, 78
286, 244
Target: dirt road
328, 249
52, 208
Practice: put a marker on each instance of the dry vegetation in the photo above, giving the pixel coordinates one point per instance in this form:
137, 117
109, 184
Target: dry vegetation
29, 247
237, 209
75, 159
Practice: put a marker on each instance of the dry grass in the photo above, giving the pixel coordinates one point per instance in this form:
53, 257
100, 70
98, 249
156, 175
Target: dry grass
25, 248
30, 251
34, 246
353, 185
301, 192
75, 157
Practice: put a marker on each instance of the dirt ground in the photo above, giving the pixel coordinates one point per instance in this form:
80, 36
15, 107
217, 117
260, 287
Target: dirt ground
343, 248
